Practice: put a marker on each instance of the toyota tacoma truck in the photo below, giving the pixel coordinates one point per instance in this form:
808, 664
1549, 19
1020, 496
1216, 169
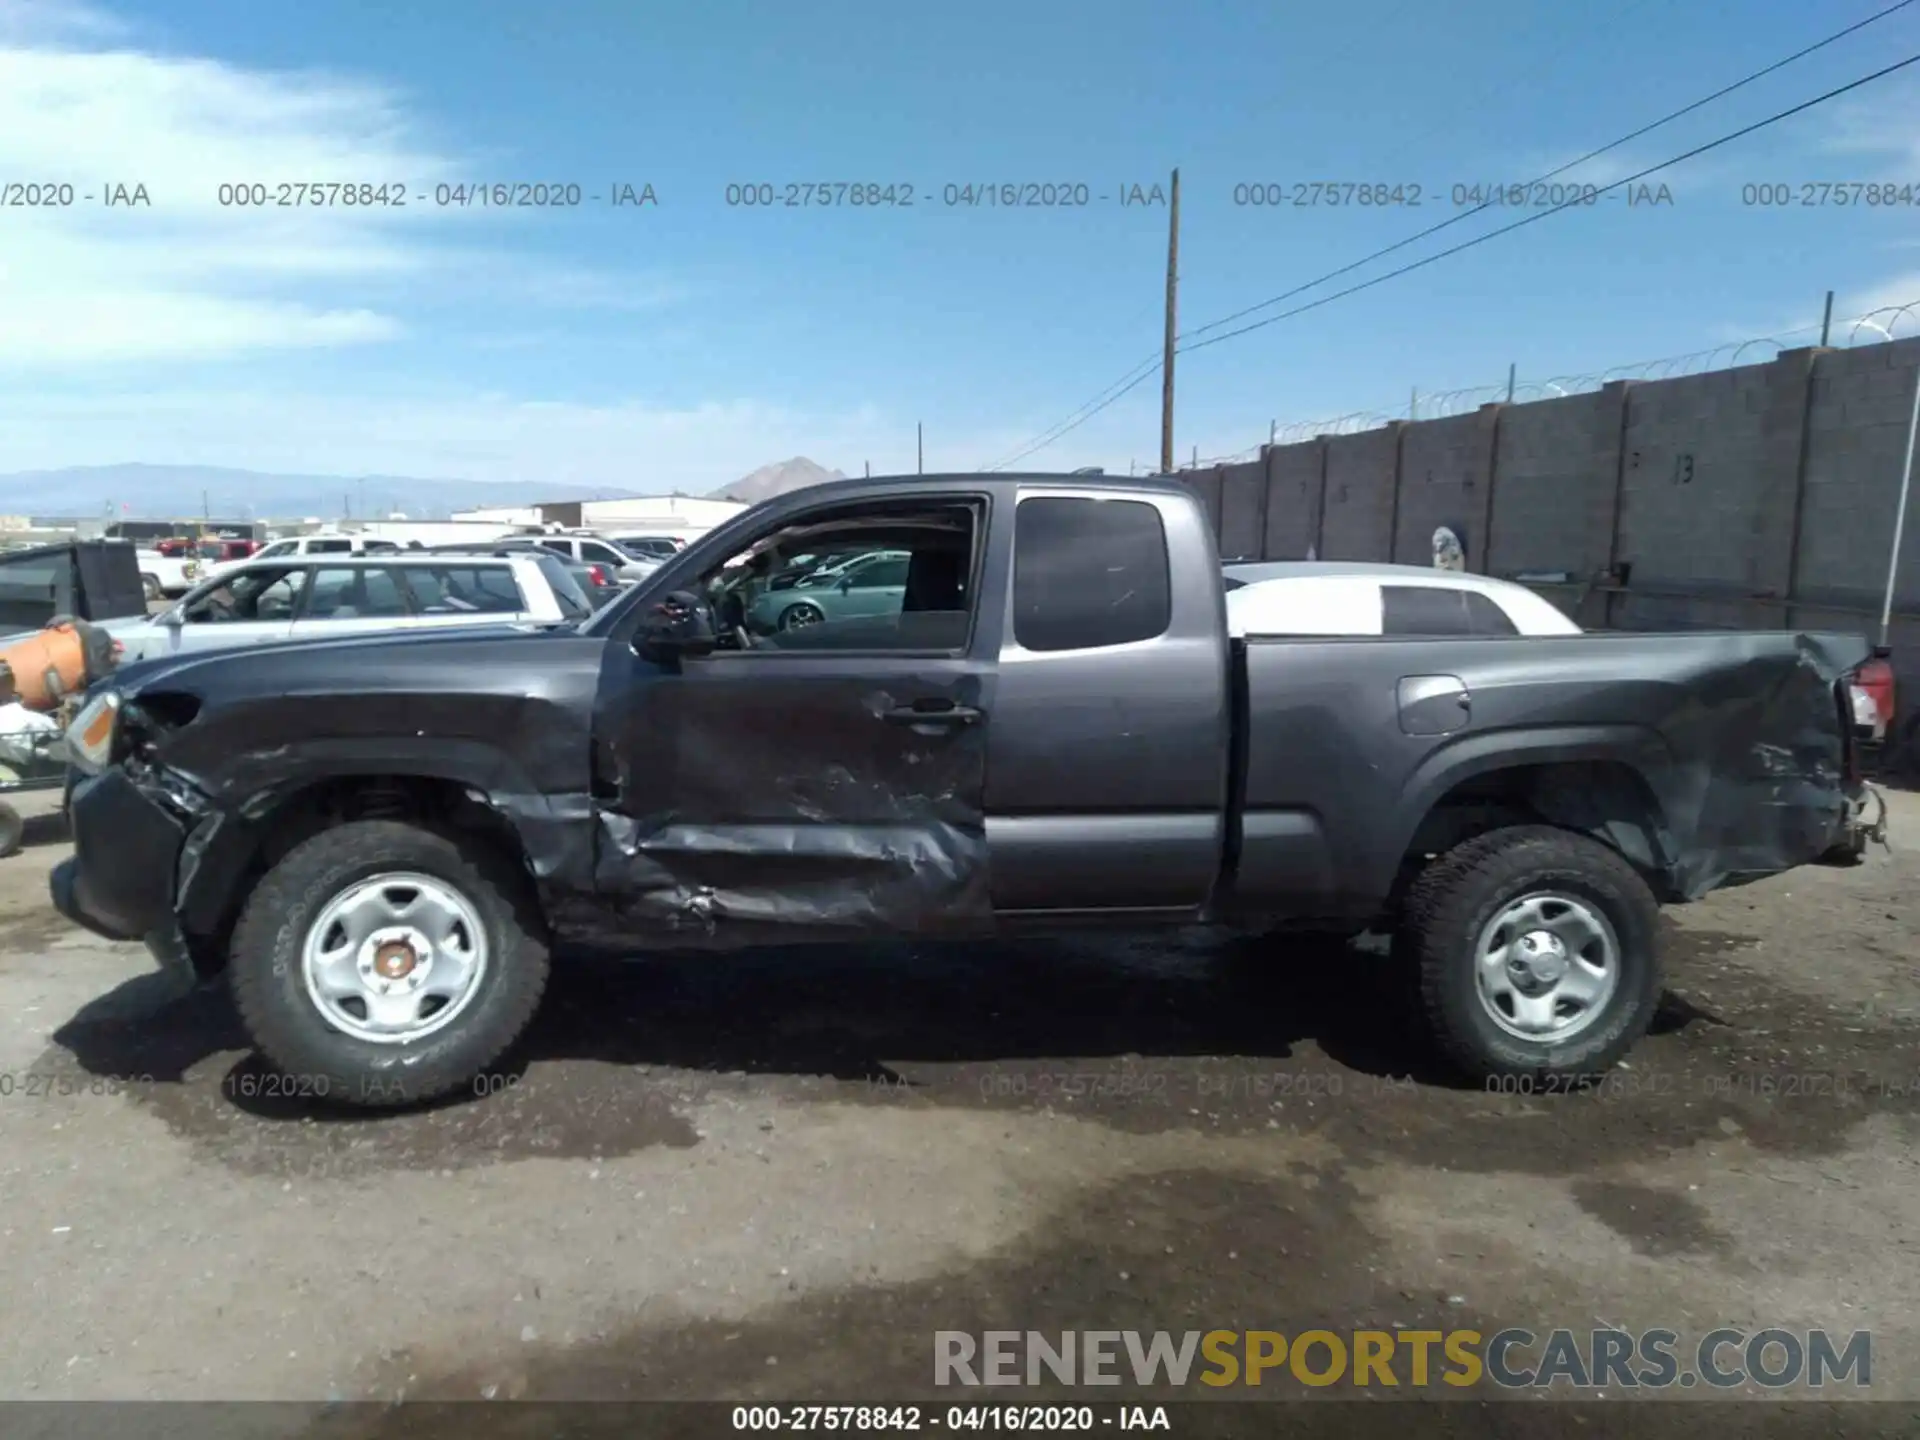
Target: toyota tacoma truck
381, 842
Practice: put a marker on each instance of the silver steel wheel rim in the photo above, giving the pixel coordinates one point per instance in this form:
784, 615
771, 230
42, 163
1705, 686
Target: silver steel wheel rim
1545, 966
799, 617
394, 958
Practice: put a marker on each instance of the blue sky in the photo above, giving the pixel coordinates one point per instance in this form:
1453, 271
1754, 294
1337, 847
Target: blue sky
681, 344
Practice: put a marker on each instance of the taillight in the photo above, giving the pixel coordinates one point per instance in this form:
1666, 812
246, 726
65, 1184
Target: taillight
1872, 692
597, 575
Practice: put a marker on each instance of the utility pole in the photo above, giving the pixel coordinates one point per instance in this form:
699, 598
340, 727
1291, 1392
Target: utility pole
1826, 321
1513, 369
919, 449
206, 512
868, 466
1166, 356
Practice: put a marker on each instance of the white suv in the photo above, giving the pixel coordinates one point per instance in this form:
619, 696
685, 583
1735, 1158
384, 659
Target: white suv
300, 546
596, 550
312, 597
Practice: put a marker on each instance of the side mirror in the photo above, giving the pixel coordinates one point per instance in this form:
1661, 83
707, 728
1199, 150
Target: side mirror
173, 619
846, 584
678, 626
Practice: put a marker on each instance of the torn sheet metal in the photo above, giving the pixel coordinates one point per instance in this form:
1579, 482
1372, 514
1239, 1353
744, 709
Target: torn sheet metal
1758, 783
762, 801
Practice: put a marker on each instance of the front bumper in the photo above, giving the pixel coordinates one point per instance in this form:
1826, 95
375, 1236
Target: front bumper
119, 881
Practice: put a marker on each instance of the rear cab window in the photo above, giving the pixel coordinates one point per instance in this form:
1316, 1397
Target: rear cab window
1089, 573
1423, 610
1439, 610
1486, 617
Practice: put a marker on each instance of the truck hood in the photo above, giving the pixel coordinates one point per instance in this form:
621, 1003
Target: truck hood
489, 659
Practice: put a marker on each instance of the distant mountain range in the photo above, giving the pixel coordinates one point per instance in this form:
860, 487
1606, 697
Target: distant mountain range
778, 479
152, 492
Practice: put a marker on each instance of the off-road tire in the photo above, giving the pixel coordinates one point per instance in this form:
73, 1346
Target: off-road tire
1460, 892
150, 587
13, 830
268, 988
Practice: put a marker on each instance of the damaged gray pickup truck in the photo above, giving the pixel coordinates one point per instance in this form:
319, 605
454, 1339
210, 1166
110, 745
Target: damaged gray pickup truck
1028, 714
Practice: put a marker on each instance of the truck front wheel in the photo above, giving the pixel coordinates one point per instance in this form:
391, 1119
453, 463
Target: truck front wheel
382, 964
1537, 952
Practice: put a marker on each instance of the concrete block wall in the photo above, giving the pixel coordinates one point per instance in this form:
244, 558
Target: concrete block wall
1556, 469
1296, 475
1707, 481
1243, 501
1362, 485
1758, 496
1446, 478
1856, 443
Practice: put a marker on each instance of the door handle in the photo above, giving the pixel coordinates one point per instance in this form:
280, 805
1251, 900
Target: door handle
933, 712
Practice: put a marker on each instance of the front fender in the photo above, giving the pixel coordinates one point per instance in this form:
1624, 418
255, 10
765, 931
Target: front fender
555, 831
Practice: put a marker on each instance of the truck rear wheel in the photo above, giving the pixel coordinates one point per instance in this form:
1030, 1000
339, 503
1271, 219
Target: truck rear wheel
1537, 952
382, 964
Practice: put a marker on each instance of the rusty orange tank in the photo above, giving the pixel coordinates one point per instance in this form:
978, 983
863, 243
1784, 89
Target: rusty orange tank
58, 662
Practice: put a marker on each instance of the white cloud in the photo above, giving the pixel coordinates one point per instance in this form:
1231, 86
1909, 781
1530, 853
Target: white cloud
1879, 122
189, 278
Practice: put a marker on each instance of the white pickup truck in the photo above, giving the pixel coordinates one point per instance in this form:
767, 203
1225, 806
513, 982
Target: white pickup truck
166, 576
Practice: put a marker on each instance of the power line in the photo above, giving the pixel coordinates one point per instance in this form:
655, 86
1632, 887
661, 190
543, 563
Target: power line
1560, 170
1555, 210
1137, 376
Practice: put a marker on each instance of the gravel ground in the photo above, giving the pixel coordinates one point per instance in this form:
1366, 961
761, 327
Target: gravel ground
775, 1176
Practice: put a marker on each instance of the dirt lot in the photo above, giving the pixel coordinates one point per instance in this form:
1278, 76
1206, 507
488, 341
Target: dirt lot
776, 1176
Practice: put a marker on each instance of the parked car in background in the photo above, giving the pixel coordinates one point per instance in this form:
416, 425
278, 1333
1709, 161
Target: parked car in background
598, 550
651, 546
299, 546
219, 552
319, 597
165, 576
869, 583
596, 583
1334, 597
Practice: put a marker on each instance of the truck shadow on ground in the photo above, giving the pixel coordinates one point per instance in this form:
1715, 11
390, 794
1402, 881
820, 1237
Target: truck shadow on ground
1186, 1032
864, 1013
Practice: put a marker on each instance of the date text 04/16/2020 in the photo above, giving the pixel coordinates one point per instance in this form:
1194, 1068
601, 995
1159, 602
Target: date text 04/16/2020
968, 195
903, 1419
463, 195
1411, 195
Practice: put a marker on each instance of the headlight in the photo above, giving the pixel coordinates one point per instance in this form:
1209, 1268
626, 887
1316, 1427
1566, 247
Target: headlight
91, 735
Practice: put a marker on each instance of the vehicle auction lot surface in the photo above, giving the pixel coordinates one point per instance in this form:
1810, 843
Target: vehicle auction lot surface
776, 1175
